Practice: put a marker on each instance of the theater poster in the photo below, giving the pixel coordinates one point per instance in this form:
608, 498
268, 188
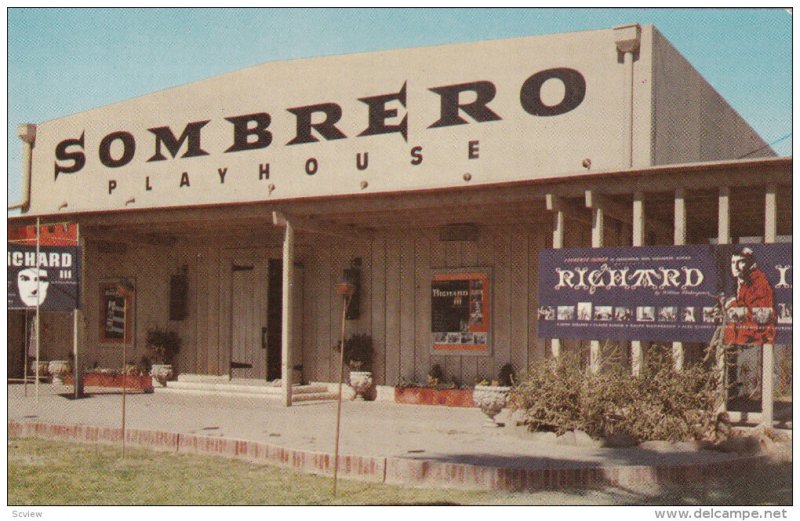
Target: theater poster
668, 293
116, 312
460, 317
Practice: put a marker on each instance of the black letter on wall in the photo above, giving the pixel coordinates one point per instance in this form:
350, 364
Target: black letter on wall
326, 128
477, 110
191, 134
78, 158
242, 130
378, 113
416, 155
530, 94
128, 150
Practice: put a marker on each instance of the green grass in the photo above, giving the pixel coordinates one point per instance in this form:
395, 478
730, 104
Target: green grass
54, 473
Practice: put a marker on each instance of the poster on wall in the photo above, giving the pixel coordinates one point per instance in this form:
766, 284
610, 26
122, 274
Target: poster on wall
116, 312
668, 293
460, 317
49, 279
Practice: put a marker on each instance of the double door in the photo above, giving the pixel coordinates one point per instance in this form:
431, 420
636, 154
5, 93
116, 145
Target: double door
255, 317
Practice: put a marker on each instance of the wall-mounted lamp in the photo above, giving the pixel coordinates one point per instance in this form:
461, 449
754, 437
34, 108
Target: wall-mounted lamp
125, 287
178, 293
352, 277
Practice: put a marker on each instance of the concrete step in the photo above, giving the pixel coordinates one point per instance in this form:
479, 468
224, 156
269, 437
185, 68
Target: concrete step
296, 397
314, 397
257, 389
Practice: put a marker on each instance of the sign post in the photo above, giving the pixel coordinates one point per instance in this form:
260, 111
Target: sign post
38, 304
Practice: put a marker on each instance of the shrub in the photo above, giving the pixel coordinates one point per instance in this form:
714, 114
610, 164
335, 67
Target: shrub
162, 345
358, 352
659, 404
506, 377
435, 375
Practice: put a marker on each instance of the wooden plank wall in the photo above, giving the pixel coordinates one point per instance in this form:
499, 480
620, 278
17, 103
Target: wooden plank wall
150, 266
395, 299
395, 302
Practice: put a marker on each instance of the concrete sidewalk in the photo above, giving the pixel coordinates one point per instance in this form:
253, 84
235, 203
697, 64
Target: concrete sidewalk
429, 434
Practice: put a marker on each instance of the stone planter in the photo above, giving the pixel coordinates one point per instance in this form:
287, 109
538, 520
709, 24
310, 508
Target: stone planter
58, 369
360, 381
161, 373
491, 399
431, 396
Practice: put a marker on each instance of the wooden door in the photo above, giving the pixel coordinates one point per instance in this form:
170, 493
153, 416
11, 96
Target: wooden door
248, 316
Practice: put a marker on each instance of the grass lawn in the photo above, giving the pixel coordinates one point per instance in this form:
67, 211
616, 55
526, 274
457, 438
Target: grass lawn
54, 473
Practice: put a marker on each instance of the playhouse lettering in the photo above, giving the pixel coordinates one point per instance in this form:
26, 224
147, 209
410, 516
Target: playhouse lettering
320, 121
626, 278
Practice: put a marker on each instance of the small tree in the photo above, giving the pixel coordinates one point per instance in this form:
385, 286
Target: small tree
162, 345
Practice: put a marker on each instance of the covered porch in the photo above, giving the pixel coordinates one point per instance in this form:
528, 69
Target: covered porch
232, 255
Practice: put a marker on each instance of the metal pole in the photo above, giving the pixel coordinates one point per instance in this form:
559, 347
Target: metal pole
124, 380
38, 299
25, 347
345, 303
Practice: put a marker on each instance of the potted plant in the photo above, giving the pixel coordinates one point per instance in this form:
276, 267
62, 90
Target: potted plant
492, 397
58, 369
44, 368
162, 345
358, 354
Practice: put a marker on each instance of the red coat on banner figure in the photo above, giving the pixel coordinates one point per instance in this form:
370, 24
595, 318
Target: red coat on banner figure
751, 315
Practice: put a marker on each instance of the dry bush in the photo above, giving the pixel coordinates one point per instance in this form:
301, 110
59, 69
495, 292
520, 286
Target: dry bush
659, 404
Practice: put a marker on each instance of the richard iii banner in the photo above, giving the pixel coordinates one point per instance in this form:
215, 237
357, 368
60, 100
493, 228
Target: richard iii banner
668, 293
49, 279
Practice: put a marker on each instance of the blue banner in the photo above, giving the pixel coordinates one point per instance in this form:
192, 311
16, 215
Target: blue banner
667, 293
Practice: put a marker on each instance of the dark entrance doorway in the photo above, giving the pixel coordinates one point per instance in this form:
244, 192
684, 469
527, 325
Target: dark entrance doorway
274, 318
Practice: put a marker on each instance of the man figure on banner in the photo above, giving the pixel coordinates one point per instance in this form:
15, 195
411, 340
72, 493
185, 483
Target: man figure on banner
752, 312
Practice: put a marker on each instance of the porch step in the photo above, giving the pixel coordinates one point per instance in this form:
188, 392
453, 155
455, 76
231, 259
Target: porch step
244, 388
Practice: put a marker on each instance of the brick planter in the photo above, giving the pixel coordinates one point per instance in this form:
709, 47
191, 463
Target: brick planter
430, 396
142, 383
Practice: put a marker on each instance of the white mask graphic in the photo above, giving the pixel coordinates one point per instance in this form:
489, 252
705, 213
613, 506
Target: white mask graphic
32, 284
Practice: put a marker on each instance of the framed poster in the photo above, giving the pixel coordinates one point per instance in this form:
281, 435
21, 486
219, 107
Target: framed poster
460, 312
116, 311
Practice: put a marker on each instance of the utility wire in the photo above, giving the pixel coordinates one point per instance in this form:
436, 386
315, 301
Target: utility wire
766, 146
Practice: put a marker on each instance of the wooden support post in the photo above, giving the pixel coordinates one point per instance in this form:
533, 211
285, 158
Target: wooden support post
768, 350
723, 237
679, 240
553, 203
638, 240
77, 377
597, 242
724, 216
287, 318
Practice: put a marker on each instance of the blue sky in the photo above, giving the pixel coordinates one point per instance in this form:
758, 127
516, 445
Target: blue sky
62, 61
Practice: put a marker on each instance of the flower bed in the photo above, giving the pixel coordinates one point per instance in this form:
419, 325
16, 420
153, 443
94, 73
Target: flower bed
143, 382
433, 396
